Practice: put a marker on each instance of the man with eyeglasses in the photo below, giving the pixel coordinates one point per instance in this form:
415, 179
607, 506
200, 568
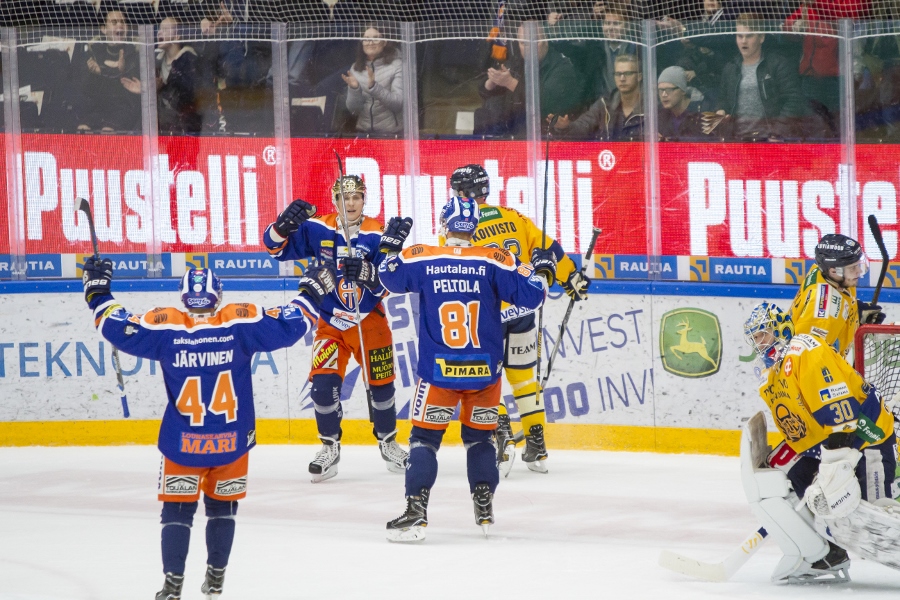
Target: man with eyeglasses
620, 116
679, 113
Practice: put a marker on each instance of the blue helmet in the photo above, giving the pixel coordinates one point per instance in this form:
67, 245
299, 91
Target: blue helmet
768, 317
460, 215
201, 291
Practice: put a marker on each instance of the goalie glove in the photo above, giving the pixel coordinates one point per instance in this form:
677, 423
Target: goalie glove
544, 262
869, 314
362, 272
835, 493
316, 283
395, 234
576, 286
96, 277
289, 220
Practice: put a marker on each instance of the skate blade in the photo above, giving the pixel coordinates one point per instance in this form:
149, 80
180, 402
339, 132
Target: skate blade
394, 468
538, 466
215, 596
320, 477
506, 466
484, 528
411, 535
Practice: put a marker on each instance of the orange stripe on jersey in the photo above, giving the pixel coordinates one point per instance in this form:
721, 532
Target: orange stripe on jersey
368, 225
173, 318
277, 249
421, 252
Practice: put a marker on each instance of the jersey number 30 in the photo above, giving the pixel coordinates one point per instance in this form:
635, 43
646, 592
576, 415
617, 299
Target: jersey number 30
223, 402
459, 323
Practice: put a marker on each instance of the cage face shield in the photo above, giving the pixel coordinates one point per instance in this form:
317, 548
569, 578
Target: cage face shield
768, 331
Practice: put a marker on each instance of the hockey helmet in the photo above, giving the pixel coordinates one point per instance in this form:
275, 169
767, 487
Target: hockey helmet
460, 215
767, 317
348, 185
470, 181
837, 251
201, 291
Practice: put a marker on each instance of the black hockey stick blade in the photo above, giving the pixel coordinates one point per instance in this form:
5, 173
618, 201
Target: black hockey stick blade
885, 259
85, 207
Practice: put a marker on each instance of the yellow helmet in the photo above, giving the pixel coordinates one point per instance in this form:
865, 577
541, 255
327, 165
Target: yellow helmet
351, 184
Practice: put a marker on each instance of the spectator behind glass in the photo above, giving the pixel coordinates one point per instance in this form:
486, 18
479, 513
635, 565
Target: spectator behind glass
108, 70
759, 91
705, 54
615, 27
819, 68
375, 85
620, 116
573, 22
503, 91
176, 75
679, 113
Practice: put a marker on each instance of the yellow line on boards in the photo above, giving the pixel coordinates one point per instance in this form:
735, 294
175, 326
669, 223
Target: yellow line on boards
561, 436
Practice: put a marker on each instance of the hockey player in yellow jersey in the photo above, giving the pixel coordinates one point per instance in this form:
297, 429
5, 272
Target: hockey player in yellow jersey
501, 227
839, 441
826, 305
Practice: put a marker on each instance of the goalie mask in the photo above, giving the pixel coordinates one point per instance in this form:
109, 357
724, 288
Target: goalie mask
845, 256
459, 215
768, 330
470, 181
201, 292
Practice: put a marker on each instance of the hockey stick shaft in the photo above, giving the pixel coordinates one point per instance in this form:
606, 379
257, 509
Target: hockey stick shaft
885, 259
85, 207
364, 369
565, 321
721, 571
540, 327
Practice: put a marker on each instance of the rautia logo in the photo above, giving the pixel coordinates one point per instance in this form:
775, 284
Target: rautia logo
690, 342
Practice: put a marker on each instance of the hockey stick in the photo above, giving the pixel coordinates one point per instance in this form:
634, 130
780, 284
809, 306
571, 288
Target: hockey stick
565, 321
540, 327
363, 368
720, 571
85, 207
885, 259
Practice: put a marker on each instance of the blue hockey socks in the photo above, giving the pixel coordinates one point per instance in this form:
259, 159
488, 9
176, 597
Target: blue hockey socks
384, 414
177, 518
481, 458
422, 469
219, 530
326, 397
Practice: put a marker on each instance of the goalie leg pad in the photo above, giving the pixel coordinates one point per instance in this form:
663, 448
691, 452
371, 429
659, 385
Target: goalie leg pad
871, 531
876, 471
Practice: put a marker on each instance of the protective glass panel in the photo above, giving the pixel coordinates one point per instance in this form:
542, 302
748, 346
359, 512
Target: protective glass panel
6, 233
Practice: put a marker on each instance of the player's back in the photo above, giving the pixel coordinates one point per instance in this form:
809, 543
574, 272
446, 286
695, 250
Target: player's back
822, 310
461, 288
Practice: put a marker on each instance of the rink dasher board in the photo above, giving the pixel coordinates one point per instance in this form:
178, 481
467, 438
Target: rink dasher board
643, 366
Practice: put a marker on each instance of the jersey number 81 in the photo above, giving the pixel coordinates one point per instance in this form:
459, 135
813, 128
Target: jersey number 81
459, 323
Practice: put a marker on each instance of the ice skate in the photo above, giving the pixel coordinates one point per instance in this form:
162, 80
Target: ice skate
171, 588
215, 579
324, 465
506, 445
394, 456
535, 453
410, 526
833, 568
483, 500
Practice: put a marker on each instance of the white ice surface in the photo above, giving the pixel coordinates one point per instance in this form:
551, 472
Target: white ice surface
83, 523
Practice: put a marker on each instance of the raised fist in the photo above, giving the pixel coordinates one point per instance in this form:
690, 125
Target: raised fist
96, 277
395, 234
290, 218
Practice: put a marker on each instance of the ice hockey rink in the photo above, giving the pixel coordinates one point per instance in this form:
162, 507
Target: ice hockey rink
83, 524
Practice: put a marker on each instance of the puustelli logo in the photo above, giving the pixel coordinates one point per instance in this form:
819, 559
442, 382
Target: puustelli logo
690, 342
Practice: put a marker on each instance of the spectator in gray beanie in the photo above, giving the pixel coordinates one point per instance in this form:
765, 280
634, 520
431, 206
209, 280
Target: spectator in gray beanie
679, 114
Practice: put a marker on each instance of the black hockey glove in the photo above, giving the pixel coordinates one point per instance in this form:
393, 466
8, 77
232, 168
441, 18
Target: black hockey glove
316, 283
544, 262
96, 277
395, 233
576, 286
869, 314
290, 218
362, 272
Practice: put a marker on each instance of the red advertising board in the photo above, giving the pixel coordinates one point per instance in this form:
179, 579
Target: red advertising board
4, 205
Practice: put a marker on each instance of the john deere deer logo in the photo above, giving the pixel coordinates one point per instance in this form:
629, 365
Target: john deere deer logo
690, 342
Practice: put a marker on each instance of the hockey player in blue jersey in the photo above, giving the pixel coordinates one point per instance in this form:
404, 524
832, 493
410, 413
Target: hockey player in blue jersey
209, 425
296, 234
460, 288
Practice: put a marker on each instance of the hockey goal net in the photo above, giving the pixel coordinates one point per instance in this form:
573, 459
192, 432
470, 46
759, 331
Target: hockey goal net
877, 357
